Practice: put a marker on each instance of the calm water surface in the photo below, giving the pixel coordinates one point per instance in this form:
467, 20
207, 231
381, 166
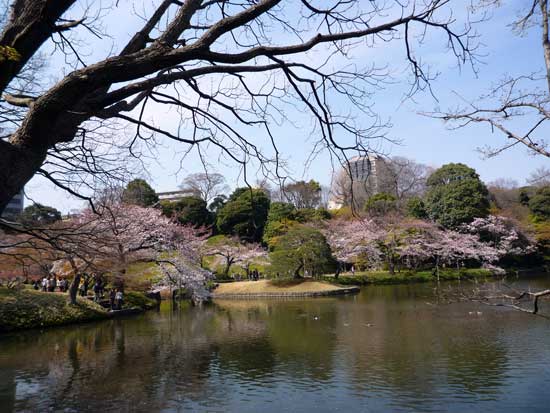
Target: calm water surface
390, 348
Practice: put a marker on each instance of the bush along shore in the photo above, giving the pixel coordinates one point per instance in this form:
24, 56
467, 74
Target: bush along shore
406, 277
25, 308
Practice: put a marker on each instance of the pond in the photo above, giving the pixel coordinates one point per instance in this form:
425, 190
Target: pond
390, 348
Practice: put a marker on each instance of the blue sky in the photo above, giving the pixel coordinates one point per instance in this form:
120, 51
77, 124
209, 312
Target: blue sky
424, 139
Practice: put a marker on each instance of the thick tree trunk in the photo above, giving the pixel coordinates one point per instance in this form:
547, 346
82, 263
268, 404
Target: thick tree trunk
73, 288
338, 270
31, 23
391, 266
17, 167
228, 263
297, 272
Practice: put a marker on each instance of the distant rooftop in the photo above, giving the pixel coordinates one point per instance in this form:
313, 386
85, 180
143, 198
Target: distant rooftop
172, 195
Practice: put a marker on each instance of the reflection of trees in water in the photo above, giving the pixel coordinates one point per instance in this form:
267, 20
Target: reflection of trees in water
300, 334
420, 350
477, 365
167, 358
127, 363
250, 360
7, 388
386, 341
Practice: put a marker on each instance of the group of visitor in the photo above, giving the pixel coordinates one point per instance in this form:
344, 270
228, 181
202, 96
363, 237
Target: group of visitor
116, 298
115, 294
254, 275
98, 288
51, 283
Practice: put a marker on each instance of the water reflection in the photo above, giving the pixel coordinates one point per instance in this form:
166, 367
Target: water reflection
388, 348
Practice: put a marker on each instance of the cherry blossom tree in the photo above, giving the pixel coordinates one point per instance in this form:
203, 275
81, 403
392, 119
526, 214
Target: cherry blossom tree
416, 243
233, 251
502, 234
179, 272
109, 240
350, 240
128, 233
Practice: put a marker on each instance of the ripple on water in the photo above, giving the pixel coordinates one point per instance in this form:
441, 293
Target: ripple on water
383, 350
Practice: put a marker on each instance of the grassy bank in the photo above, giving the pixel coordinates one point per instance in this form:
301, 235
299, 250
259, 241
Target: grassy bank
405, 277
133, 299
26, 308
267, 288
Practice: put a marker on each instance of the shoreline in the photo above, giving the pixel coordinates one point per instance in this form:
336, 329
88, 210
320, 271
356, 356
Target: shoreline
267, 289
407, 277
26, 309
238, 296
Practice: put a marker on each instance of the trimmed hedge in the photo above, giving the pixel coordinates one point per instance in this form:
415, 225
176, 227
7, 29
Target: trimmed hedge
405, 277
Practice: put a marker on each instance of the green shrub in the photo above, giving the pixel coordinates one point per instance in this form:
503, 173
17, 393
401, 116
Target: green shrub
416, 208
137, 299
456, 195
381, 204
301, 249
286, 282
539, 204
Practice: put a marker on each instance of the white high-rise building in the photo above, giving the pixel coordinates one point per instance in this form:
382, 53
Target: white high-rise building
172, 196
361, 177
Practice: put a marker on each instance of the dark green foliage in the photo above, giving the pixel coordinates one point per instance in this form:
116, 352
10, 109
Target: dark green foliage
381, 204
322, 214
524, 195
244, 215
304, 194
188, 211
137, 299
301, 249
238, 192
21, 309
456, 195
406, 277
274, 229
139, 192
281, 210
312, 214
217, 203
539, 204
416, 208
38, 214
451, 173
283, 216
280, 218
